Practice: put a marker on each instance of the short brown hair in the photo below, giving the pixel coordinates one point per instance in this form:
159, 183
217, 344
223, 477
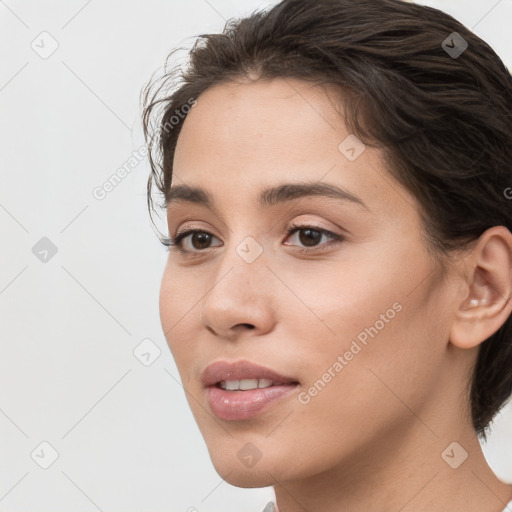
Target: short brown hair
443, 118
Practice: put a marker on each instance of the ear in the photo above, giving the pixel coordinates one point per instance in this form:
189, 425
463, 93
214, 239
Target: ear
487, 298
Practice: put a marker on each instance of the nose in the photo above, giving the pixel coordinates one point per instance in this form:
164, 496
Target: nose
240, 297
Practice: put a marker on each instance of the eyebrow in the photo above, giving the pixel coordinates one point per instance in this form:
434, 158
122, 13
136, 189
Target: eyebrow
267, 197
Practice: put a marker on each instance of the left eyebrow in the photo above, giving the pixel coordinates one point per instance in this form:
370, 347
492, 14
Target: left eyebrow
267, 197
290, 191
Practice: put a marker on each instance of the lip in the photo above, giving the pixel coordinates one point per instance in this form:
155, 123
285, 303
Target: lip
242, 405
238, 370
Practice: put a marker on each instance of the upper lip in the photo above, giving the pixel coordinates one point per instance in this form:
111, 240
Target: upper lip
238, 370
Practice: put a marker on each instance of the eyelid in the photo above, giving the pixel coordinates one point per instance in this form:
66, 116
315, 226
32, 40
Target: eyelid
191, 228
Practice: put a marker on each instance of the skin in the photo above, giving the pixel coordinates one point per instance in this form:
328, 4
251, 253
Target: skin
371, 440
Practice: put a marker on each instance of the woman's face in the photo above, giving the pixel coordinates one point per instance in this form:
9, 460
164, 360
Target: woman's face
361, 321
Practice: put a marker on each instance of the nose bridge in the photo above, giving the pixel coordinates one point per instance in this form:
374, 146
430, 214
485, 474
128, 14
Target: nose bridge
239, 286
244, 246
242, 261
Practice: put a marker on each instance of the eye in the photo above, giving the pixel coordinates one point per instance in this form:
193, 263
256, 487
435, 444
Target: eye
312, 235
199, 239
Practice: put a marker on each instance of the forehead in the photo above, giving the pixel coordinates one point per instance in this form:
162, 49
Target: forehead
282, 118
243, 137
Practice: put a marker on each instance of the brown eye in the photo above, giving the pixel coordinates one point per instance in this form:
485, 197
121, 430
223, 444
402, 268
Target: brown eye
310, 237
199, 240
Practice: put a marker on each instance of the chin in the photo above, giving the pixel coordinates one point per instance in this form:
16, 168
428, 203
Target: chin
247, 478
231, 469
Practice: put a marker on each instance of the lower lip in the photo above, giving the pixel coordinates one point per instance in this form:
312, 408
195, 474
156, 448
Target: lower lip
242, 405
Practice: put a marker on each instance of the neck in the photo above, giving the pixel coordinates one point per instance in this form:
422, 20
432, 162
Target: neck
411, 471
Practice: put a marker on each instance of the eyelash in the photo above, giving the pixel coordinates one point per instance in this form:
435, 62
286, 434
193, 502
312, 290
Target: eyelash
176, 242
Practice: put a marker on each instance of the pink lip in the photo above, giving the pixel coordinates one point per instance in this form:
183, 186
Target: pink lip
238, 370
242, 405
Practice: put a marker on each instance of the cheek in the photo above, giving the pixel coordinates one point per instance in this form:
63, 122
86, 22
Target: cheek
365, 398
179, 313
366, 341
168, 303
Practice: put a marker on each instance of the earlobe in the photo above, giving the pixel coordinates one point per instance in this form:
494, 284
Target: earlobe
487, 301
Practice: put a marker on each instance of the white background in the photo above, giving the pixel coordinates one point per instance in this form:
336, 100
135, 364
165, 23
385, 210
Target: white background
123, 431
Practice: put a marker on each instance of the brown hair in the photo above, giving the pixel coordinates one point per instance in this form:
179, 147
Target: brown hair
440, 111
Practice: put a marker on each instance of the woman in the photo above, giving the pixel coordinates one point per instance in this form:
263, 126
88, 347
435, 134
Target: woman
337, 292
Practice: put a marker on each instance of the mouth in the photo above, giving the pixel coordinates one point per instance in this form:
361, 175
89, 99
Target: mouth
243, 374
248, 384
241, 390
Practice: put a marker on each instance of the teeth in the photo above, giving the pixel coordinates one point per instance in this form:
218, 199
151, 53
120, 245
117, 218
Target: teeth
245, 384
